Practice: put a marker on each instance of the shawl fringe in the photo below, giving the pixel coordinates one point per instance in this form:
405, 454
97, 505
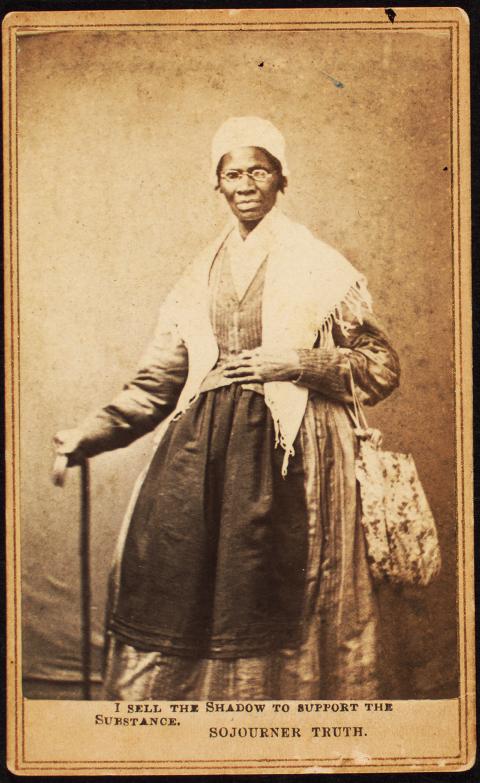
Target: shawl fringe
356, 299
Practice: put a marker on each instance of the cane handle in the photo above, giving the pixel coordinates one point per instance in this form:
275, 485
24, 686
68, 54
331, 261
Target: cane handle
59, 470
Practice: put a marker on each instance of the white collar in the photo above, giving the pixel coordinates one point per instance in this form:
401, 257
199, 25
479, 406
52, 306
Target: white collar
246, 255
262, 234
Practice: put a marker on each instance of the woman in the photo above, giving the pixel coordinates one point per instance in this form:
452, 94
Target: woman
241, 570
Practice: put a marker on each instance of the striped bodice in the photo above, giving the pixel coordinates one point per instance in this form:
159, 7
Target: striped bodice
237, 324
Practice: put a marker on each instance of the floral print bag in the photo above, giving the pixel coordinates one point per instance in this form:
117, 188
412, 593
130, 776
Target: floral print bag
400, 532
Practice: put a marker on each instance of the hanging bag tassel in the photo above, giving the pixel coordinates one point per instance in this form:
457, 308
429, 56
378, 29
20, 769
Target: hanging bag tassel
400, 532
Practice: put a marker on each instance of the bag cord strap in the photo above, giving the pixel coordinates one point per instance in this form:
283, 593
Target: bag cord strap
357, 414
362, 430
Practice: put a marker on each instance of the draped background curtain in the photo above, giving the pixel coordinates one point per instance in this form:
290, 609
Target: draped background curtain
114, 199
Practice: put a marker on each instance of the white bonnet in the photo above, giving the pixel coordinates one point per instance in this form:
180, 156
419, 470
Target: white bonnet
247, 132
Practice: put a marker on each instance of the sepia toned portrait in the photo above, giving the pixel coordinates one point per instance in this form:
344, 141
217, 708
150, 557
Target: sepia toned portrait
237, 328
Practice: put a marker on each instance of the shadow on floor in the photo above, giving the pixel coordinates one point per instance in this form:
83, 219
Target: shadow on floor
52, 689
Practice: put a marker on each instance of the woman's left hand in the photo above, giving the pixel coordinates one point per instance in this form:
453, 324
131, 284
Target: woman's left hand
260, 366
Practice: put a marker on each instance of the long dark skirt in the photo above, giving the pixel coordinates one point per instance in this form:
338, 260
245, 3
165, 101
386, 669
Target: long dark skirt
215, 557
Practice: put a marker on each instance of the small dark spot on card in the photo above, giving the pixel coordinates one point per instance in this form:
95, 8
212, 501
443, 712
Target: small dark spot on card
260, 65
445, 168
334, 81
391, 14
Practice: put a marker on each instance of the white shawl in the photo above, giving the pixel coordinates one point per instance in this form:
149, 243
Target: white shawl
307, 283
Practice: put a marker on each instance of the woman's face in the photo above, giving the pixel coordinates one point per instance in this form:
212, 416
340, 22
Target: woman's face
249, 199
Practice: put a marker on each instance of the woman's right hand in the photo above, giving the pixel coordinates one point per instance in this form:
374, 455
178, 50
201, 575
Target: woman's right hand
69, 444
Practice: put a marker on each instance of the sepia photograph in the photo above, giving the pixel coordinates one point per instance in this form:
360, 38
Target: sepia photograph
239, 388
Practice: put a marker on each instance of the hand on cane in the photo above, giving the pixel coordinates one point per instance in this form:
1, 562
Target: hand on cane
69, 453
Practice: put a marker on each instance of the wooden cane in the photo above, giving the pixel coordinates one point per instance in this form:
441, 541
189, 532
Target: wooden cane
85, 578
58, 478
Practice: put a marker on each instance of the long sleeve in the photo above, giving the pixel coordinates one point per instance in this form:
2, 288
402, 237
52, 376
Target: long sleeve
145, 401
365, 349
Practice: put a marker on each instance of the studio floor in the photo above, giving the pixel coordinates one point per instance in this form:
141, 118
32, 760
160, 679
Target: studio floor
54, 689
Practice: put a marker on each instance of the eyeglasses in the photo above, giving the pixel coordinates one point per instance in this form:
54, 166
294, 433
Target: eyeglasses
235, 175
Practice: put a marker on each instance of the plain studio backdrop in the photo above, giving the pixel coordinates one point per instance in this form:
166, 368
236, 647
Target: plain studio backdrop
114, 200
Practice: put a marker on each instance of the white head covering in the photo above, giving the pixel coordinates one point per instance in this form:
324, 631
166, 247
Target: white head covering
247, 132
